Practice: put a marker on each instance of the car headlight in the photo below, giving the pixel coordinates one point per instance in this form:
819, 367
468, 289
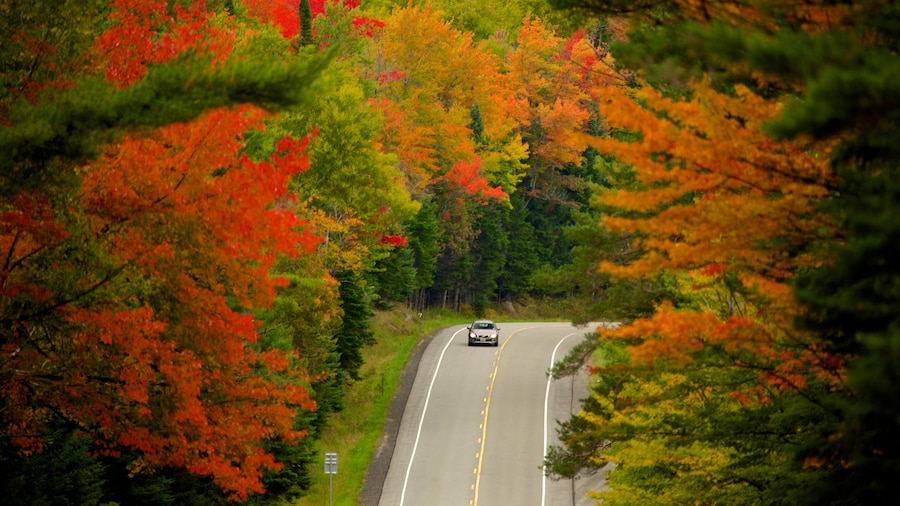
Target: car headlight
494, 336
472, 334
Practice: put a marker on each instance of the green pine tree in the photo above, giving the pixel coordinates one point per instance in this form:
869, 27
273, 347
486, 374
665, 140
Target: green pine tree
305, 37
489, 252
355, 331
423, 237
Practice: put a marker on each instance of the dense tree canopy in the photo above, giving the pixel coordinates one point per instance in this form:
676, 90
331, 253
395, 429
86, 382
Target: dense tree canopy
194, 231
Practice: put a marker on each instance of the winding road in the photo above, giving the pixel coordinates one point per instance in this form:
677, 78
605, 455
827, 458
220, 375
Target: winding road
478, 420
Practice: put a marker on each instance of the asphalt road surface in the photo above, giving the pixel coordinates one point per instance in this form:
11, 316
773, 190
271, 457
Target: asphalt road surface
478, 420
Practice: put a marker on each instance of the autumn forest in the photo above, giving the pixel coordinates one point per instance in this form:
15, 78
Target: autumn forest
202, 204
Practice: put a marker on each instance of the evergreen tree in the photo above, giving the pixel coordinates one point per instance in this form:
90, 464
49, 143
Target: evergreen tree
305, 37
477, 125
74, 124
452, 278
489, 252
395, 276
167, 486
549, 220
521, 257
423, 243
355, 331
854, 302
62, 474
294, 478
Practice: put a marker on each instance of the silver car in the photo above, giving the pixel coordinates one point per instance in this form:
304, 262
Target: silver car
484, 332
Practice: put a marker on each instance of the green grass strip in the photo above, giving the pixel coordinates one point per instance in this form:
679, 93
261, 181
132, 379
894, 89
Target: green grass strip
355, 432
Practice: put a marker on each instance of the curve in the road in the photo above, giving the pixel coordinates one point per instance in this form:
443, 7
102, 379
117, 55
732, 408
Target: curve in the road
373, 490
546, 415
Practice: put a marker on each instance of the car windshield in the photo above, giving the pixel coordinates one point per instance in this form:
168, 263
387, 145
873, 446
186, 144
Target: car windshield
484, 325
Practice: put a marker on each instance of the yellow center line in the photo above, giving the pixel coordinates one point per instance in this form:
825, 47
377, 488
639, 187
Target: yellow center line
487, 409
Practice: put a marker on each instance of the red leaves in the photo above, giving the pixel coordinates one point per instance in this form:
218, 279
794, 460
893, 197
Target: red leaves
569, 45
394, 241
467, 177
391, 76
156, 31
128, 284
286, 16
713, 269
367, 27
28, 226
29, 216
202, 224
153, 263
290, 155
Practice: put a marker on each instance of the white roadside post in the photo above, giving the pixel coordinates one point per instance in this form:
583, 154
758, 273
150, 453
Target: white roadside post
330, 470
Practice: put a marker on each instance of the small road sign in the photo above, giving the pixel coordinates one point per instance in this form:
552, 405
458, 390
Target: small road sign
330, 470
331, 461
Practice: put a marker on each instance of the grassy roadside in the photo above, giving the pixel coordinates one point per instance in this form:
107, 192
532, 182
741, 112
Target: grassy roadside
355, 432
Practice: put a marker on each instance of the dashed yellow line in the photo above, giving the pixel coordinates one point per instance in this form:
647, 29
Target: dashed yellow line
487, 408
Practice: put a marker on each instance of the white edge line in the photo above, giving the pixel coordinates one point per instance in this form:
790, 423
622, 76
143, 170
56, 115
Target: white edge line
546, 403
422, 420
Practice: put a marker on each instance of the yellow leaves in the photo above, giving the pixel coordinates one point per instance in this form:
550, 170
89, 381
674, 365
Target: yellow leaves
506, 166
138, 465
432, 58
341, 247
687, 470
414, 27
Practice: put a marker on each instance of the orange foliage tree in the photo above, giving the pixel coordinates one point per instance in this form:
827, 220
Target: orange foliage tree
429, 76
718, 198
548, 79
726, 217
